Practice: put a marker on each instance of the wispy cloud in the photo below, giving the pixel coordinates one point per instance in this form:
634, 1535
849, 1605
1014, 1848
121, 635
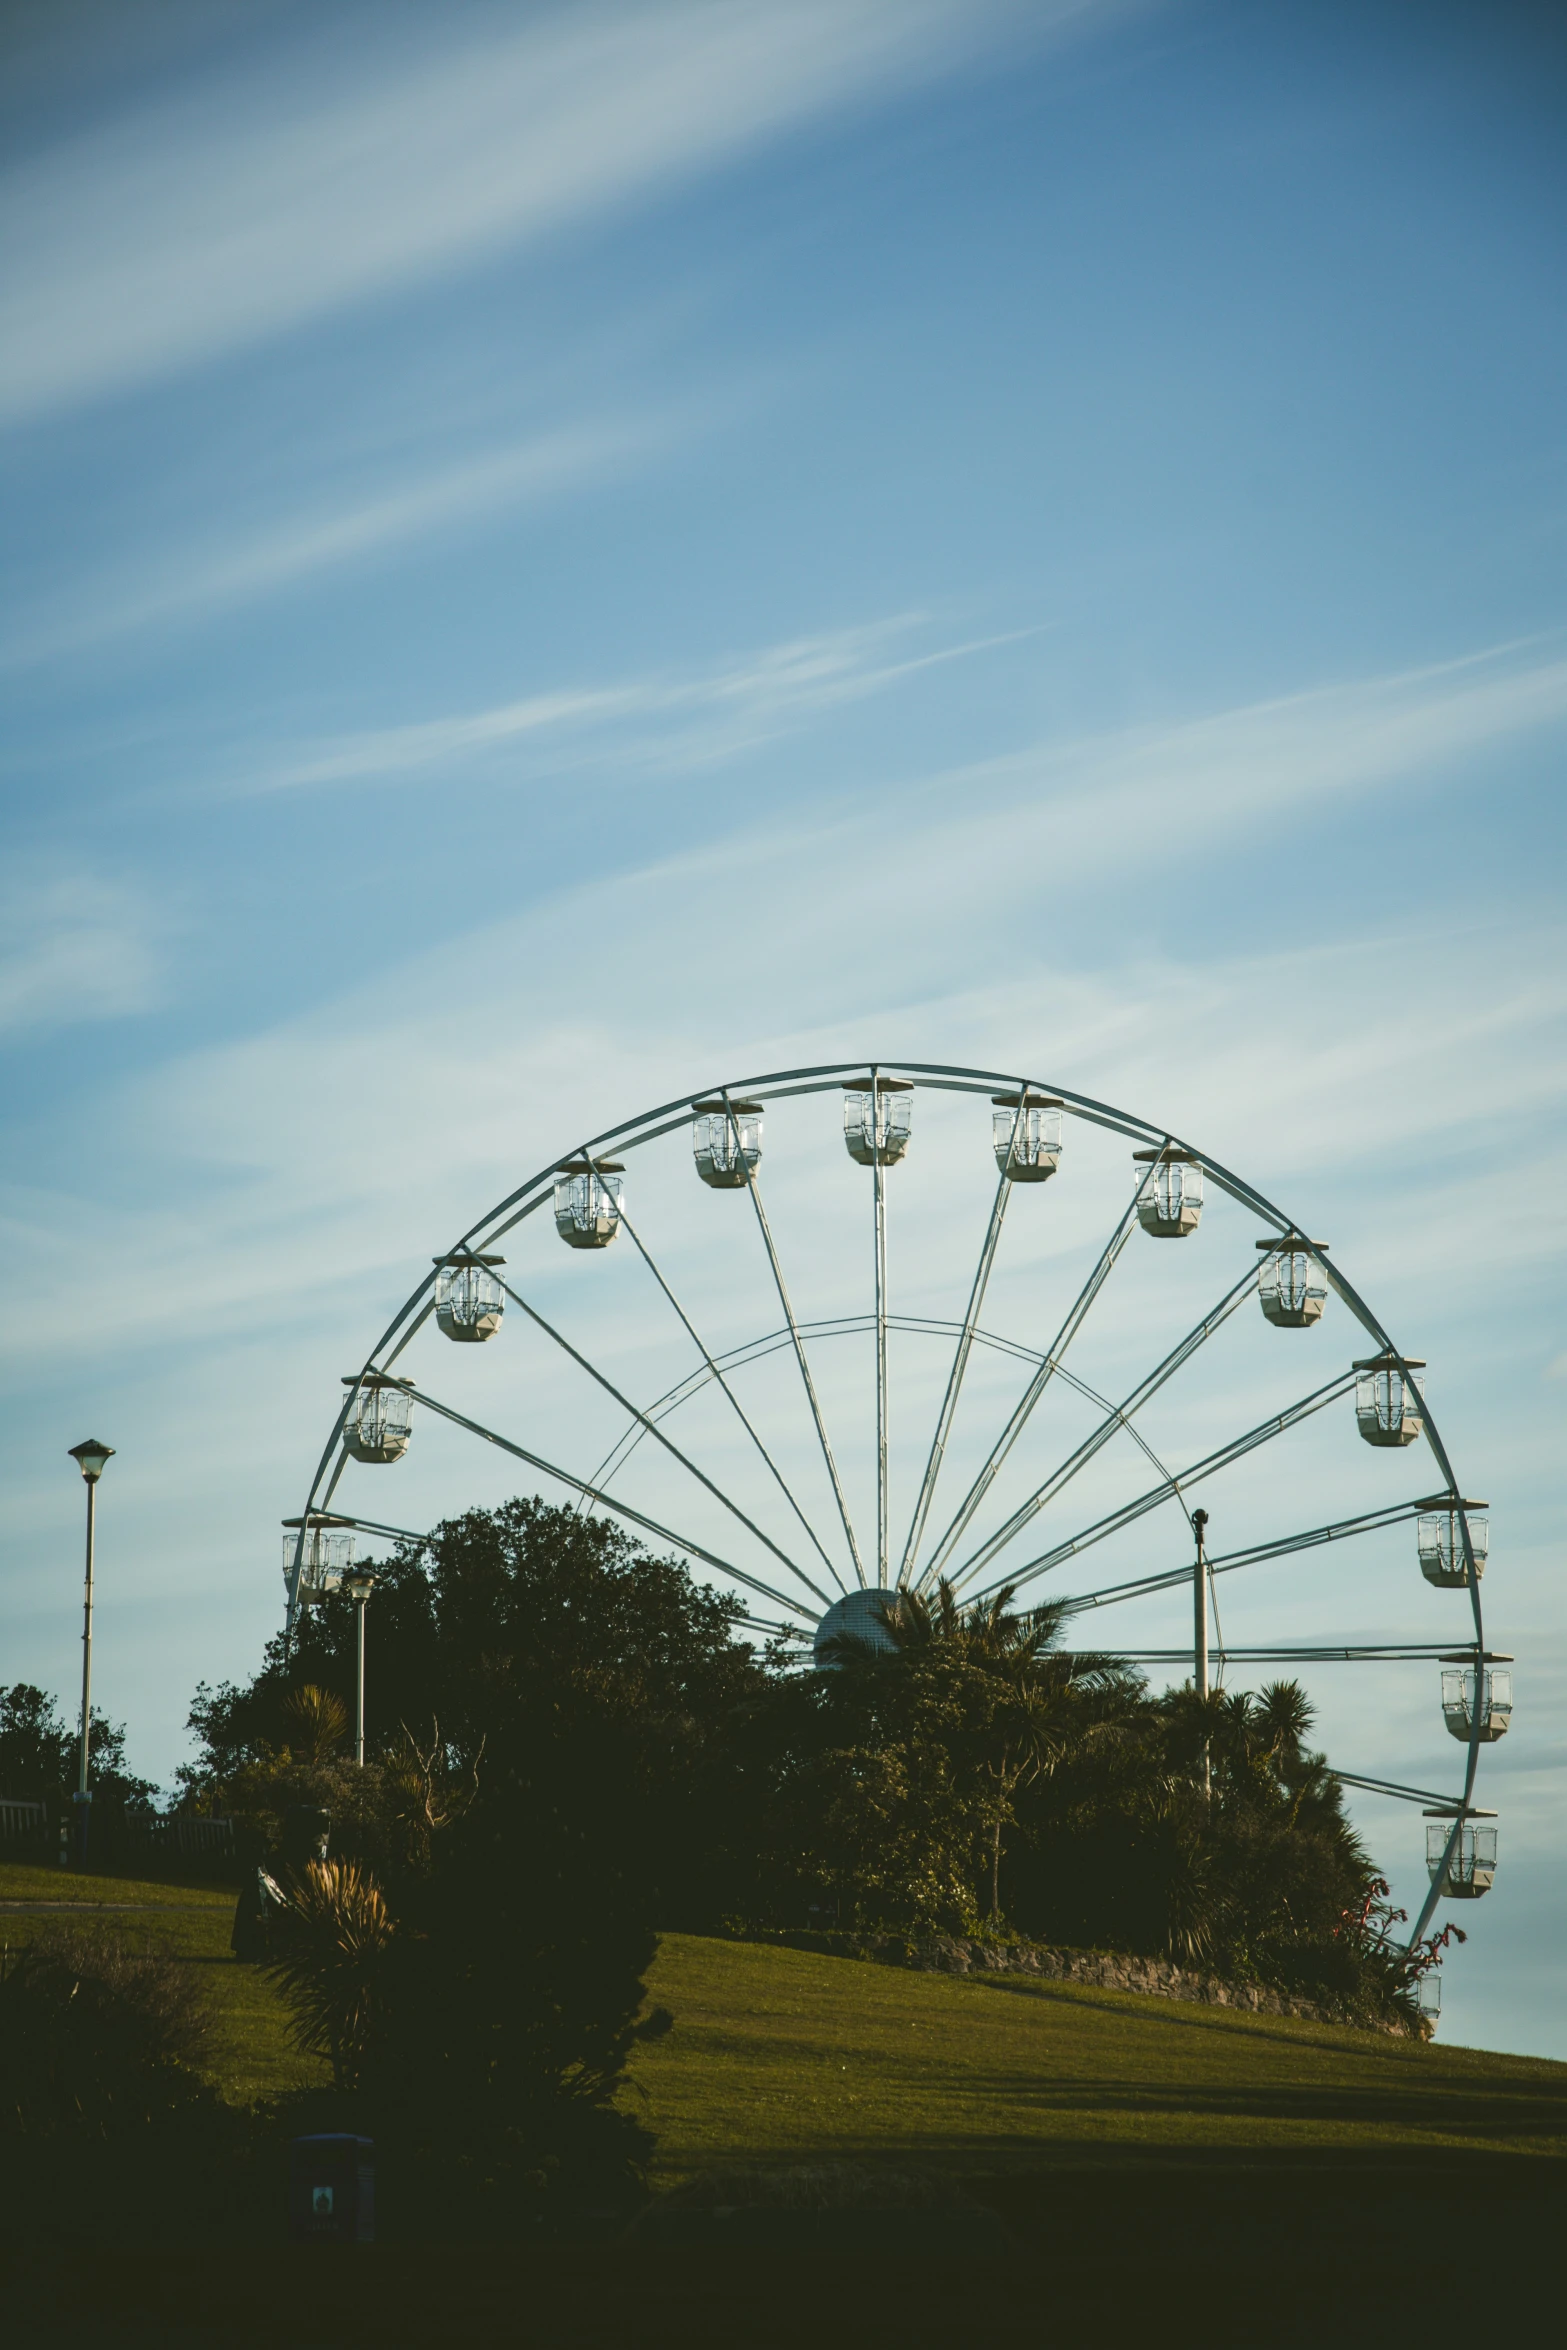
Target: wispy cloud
940, 934
1122, 796
342, 169
77, 948
665, 719
201, 580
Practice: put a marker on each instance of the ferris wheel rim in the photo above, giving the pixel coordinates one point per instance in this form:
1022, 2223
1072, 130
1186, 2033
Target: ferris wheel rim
775, 1085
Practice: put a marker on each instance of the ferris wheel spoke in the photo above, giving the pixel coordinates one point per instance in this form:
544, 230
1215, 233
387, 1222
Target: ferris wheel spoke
609, 1501
652, 1429
1395, 1787
949, 1402
1119, 1416
1069, 1329
755, 1189
713, 1368
409, 1335
773, 1631
373, 1526
1131, 1511
753, 1351
335, 1479
1255, 1554
1299, 1652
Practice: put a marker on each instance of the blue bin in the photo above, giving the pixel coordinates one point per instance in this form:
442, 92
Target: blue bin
331, 2190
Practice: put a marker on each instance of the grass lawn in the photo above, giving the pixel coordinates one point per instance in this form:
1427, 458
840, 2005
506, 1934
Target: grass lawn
1273, 2180
251, 2053
780, 2055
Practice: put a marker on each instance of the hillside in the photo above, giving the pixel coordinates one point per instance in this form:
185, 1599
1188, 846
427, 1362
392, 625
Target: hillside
781, 2055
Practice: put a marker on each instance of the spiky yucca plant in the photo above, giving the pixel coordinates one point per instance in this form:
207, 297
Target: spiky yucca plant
317, 1722
331, 1962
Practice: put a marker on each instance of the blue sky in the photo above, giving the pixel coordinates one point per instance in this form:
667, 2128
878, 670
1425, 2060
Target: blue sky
558, 555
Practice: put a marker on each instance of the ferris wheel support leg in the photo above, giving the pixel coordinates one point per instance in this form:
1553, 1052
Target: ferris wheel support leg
755, 1189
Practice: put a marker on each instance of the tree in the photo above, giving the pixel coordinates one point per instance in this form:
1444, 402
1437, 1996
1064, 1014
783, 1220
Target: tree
596, 1679
975, 1705
39, 1754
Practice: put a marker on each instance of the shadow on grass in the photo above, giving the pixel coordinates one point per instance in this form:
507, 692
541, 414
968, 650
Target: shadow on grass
1527, 2113
1187, 2017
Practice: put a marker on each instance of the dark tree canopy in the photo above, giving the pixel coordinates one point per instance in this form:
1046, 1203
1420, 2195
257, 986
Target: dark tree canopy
38, 1754
973, 1777
594, 1677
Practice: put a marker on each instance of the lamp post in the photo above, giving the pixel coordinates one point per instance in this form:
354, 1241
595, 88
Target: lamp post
359, 1584
1200, 1633
91, 1458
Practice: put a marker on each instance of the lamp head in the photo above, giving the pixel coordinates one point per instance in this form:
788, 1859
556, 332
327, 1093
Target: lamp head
359, 1582
91, 1458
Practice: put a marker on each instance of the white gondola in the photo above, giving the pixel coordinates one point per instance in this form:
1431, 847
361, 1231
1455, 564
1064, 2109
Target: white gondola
326, 1556
726, 1138
469, 1299
1428, 1994
1291, 1290
1495, 1702
1440, 1535
1169, 1199
379, 1411
1026, 1130
587, 1201
1470, 1869
1388, 1399
876, 1121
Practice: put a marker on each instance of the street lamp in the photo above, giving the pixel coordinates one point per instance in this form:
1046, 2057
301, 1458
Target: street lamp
91, 1458
359, 1583
1200, 1632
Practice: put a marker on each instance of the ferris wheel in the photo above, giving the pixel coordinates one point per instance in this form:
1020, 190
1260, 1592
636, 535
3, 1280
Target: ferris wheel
943, 1347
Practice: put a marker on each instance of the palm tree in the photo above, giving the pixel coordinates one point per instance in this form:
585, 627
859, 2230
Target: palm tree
1024, 1705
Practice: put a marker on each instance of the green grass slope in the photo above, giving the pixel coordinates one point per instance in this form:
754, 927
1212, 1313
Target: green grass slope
251, 2055
780, 2055
784, 2056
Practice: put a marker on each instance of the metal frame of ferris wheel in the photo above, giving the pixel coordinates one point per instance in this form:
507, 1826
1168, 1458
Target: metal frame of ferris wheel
947, 1557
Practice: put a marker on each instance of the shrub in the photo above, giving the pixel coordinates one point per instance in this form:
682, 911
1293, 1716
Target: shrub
515, 1992
95, 2038
330, 1945
482, 2020
107, 2133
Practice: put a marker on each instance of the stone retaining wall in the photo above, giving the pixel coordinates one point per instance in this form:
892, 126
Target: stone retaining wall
948, 1954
